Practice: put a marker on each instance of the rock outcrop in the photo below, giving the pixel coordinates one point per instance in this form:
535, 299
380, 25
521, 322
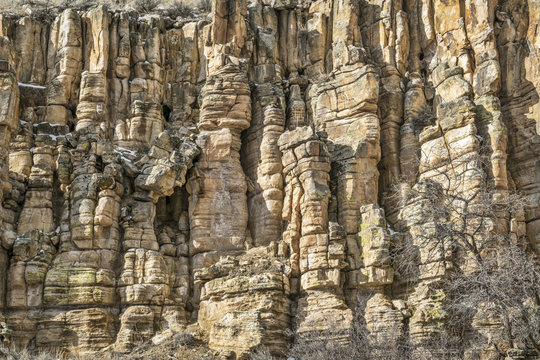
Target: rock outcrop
248, 172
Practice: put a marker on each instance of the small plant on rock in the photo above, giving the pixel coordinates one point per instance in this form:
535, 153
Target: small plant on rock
145, 6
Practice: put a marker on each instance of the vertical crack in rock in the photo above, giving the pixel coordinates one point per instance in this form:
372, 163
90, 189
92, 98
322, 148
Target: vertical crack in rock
217, 187
248, 174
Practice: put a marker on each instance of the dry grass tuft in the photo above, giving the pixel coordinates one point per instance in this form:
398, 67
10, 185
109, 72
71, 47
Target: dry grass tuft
48, 10
182, 346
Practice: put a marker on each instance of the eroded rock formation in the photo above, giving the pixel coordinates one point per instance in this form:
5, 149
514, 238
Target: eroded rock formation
247, 173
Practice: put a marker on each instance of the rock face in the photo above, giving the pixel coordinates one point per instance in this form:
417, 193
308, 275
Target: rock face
236, 172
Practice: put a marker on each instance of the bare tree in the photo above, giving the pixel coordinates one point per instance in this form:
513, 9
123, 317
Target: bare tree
354, 343
359, 343
145, 6
465, 236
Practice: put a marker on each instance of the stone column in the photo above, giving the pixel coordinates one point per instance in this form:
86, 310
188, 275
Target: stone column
9, 105
317, 255
218, 211
64, 65
83, 272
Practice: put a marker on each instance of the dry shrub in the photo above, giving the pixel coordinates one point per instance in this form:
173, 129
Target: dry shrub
145, 6
26, 354
179, 8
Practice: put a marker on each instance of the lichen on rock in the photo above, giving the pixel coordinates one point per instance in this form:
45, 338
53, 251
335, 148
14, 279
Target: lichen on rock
248, 173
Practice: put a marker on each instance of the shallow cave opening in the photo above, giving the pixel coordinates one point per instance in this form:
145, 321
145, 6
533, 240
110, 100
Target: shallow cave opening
166, 112
170, 208
57, 202
99, 164
173, 231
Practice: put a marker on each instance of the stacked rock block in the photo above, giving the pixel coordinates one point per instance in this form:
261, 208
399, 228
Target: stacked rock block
420, 225
182, 69
120, 70
384, 320
349, 116
153, 284
517, 43
260, 152
218, 207
317, 259
64, 67
238, 298
9, 100
375, 241
83, 272
101, 242
263, 157
75, 199
385, 30
351, 121
145, 119
449, 156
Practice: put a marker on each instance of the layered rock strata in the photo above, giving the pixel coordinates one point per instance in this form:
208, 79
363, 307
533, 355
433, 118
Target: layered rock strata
248, 172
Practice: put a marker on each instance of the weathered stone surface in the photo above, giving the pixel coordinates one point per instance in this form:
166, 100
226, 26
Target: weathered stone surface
239, 173
239, 297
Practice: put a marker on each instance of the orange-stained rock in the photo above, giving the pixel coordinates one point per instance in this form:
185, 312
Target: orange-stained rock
245, 172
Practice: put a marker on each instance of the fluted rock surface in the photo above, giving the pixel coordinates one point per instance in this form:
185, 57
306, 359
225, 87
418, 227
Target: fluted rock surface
236, 172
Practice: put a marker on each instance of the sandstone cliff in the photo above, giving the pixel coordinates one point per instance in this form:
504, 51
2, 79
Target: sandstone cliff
248, 172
